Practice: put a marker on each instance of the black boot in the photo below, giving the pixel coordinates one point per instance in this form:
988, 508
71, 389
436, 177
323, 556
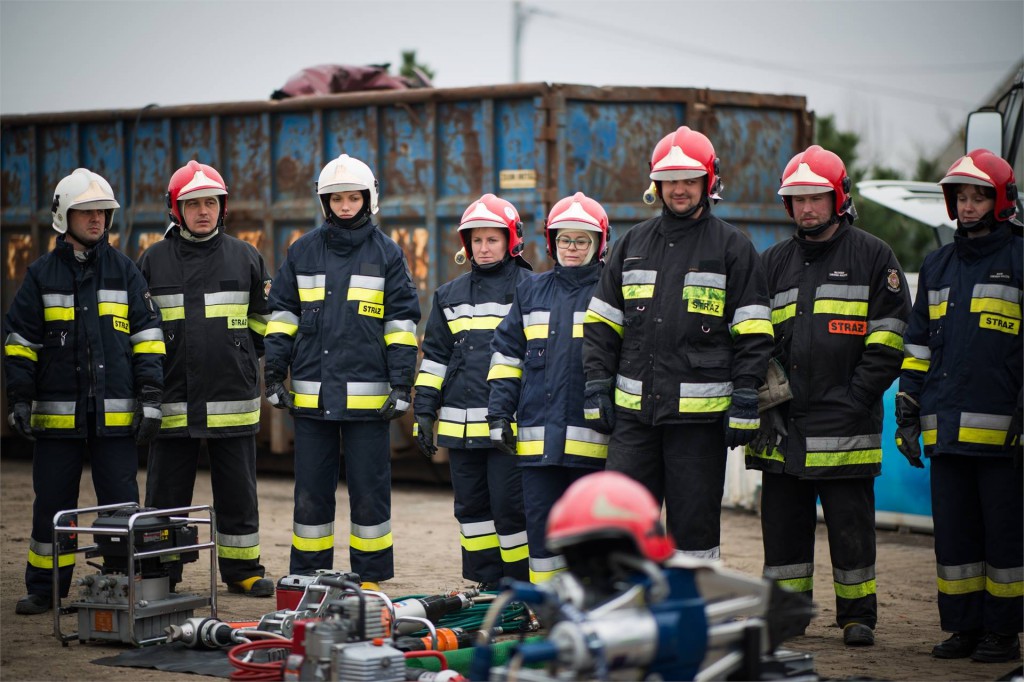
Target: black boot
33, 604
960, 645
997, 648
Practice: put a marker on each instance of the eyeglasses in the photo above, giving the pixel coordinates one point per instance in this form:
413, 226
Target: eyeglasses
580, 243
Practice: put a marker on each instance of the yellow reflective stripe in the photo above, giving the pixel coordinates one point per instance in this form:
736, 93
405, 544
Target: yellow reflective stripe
577, 331
431, 380
478, 430
279, 327
916, 364
592, 317
981, 436
117, 418
228, 310
53, 421
12, 350
157, 347
702, 293
936, 311
530, 447
535, 331
370, 544
238, 552
365, 402
404, 338
499, 372
174, 421
929, 436
630, 291
257, 325
796, 584
1009, 590
754, 327
58, 314
772, 454
312, 544
719, 404
306, 400
116, 309
832, 306
464, 324
627, 400
890, 339
312, 294
991, 305
584, 449
46, 561
520, 553
214, 421
360, 294
961, 586
844, 458
780, 315
451, 429
543, 576
855, 591
480, 542
175, 313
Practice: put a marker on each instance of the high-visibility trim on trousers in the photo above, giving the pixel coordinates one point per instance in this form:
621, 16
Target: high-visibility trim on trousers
312, 538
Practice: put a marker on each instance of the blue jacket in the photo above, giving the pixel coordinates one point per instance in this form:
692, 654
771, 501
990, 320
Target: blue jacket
343, 315
80, 332
963, 354
536, 372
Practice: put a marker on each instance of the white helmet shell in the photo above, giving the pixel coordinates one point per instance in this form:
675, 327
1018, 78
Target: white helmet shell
346, 174
82, 190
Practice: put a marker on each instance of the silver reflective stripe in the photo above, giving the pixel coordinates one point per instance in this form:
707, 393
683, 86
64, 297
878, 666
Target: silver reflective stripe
639, 276
512, 541
170, 300
284, 316
584, 434
491, 308
464, 310
495, 433
19, 340
151, 412
477, 528
111, 296
844, 443
605, 310
887, 324
788, 572
784, 298
476, 414
634, 386
849, 292
709, 390
41, 548
118, 405
232, 406
975, 570
226, 297
853, 576
713, 553
370, 532
536, 317
919, 352
368, 388
172, 409
313, 532
365, 282
530, 433
452, 414
250, 540
399, 326
751, 312
498, 359
58, 300
977, 420
937, 297
155, 334
929, 422
1001, 291
310, 281
1004, 576
53, 407
435, 368
547, 564
704, 279
579, 316
306, 387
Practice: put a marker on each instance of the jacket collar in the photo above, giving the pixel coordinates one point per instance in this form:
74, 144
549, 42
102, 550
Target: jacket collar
812, 249
344, 240
579, 276
66, 251
979, 247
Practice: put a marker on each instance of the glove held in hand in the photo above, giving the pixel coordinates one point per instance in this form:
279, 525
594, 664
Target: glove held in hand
742, 420
20, 419
423, 430
502, 437
397, 403
598, 408
277, 395
908, 429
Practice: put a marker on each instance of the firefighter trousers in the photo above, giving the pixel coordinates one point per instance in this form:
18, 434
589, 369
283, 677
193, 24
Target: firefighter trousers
171, 478
542, 486
789, 516
683, 465
978, 516
56, 478
367, 460
488, 489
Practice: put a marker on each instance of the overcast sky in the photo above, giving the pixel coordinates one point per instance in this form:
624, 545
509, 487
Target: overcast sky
902, 74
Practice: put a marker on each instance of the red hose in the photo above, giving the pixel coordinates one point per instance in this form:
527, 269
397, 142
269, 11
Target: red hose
429, 654
257, 671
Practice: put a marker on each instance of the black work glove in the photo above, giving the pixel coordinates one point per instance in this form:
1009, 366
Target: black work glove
277, 395
148, 416
20, 419
908, 429
742, 421
771, 432
398, 403
423, 431
598, 408
502, 437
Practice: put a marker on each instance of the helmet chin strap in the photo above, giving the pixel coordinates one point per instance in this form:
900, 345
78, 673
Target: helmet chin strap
987, 220
703, 203
818, 229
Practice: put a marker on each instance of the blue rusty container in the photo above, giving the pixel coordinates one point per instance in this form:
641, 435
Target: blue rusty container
433, 150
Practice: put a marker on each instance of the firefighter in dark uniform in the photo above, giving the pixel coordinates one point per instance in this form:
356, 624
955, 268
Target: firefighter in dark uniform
212, 293
83, 357
451, 392
536, 373
839, 308
343, 319
961, 390
675, 344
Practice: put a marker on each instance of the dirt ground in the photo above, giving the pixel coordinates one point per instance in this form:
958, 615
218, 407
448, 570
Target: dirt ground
427, 561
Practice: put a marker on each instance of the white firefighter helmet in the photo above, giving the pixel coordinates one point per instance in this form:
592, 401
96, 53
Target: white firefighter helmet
85, 191
346, 174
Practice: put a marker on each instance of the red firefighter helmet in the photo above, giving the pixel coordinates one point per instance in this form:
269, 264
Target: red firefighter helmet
982, 167
814, 171
492, 211
686, 154
609, 505
578, 212
192, 181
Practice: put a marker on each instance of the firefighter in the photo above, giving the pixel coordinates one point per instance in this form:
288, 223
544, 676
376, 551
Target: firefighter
675, 344
343, 319
212, 292
839, 309
83, 356
961, 389
451, 392
536, 372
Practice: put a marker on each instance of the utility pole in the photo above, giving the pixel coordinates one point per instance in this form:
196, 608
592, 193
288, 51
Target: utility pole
518, 20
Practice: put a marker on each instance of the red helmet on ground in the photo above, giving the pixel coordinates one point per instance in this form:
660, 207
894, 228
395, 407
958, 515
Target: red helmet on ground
192, 181
982, 167
492, 211
686, 154
578, 212
609, 505
814, 171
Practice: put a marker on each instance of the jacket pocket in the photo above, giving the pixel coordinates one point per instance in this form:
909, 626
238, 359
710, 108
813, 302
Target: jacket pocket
711, 365
309, 320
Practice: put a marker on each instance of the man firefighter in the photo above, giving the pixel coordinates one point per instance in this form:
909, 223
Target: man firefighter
83, 356
212, 293
839, 309
675, 344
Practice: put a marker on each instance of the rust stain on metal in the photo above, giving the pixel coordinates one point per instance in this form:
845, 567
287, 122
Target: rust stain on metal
414, 243
19, 256
254, 237
147, 239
